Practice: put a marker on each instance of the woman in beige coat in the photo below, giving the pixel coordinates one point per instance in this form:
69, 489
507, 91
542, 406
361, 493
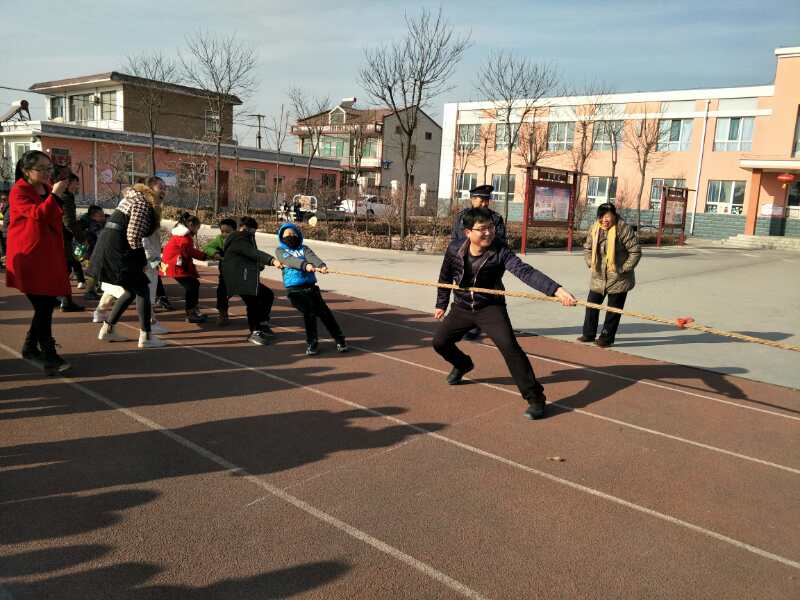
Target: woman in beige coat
611, 252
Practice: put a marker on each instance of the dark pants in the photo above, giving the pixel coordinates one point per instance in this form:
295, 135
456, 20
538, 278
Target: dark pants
143, 308
160, 291
494, 321
309, 301
41, 330
191, 287
222, 295
611, 322
74, 266
258, 306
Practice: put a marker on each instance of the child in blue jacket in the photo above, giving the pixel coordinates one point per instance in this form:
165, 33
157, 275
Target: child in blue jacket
299, 264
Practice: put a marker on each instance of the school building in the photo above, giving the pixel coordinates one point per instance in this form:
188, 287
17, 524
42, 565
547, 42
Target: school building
98, 125
736, 149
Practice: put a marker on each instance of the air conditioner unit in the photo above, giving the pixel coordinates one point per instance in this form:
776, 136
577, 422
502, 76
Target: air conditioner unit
96, 98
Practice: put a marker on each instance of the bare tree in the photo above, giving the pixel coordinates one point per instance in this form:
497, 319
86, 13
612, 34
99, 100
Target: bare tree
532, 147
312, 120
467, 146
612, 129
224, 68
149, 97
486, 149
277, 130
641, 138
514, 86
193, 169
584, 116
405, 75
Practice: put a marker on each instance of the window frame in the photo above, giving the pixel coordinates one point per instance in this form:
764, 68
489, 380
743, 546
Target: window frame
655, 203
555, 143
739, 143
81, 103
60, 101
460, 178
256, 175
108, 109
497, 195
469, 142
604, 145
609, 182
212, 116
684, 135
734, 208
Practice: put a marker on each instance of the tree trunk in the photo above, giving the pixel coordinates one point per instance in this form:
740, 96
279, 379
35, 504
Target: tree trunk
639, 202
152, 152
308, 174
217, 176
508, 177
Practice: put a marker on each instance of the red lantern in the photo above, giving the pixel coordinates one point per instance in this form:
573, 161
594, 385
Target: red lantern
785, 179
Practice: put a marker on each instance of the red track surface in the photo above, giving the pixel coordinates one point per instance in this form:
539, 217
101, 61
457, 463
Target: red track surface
219, 469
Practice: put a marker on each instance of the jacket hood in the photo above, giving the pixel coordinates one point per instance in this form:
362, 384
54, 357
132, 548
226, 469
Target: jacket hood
283, 228
237, 235
180, 230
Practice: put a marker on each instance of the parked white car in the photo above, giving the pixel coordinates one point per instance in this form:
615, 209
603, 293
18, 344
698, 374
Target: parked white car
371, 206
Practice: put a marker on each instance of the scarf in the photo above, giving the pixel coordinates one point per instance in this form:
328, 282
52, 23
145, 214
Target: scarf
611, 238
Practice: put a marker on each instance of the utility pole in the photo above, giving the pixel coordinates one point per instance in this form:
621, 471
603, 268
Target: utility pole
258, 135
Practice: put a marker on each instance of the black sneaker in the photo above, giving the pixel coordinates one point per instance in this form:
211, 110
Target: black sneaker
52, 362
196, 317
70, 306
456, 375
91, 296
163, 303
266, 329
312, 349
341, 346
258, 338
585, 339
30, 349
537, 408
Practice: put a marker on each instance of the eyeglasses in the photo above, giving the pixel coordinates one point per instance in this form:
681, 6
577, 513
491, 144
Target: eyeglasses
483, 230
43, 169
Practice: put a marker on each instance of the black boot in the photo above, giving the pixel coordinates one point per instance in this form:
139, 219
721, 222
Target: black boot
52, 362
537, 407
456, 375
30, 349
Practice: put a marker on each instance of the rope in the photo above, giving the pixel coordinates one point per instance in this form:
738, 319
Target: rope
680, 322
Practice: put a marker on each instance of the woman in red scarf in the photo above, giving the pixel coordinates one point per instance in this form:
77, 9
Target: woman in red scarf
35, 263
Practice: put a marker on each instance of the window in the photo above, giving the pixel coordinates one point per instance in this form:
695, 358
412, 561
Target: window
606, 131
734, 134
468, 137
212, 122
258, 177
19, 150
657, 192
465, 182
502, 133
674, 135
428, 135
397, 129
725, 197
277, 182
336, 117
332, 147
108, 103
81, 108
601, 189
369, 148
328, 180
498, 183
560, 135
125, 167
57, 108
307, 146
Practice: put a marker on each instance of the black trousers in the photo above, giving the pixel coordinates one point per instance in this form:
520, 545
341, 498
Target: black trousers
309, 301
74, 266
222, 295
191, 287
611, 322
143, 307
160, 291
494, 321
41, 329
258, 306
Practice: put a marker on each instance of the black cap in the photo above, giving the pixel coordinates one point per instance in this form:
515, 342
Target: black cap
604, 208
482, 191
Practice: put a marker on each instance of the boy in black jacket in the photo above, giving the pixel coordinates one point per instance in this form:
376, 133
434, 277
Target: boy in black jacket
481, 261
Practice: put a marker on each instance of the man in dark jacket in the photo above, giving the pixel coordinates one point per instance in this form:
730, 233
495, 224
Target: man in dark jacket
480, 261
242, 262
479, 197
72, 232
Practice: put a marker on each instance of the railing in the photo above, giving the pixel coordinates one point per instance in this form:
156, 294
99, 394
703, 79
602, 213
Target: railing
367, 128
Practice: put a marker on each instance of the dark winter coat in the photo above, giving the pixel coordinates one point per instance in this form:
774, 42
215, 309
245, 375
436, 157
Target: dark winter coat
626, 256
497, 221
119, 257
35, 249
73, 230
499, 259
242, 263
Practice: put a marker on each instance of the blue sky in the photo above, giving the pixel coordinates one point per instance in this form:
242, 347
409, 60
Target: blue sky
630, 46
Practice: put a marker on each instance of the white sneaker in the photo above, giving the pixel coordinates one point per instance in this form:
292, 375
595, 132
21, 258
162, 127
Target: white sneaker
99, 316
157, 328
107, 334
149, 340
81, 285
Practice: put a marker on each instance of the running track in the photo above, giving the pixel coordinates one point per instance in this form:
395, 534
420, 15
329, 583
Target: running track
218, 469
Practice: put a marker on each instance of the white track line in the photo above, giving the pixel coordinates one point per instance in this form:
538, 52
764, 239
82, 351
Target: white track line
478, 451
595, 371
353, 532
